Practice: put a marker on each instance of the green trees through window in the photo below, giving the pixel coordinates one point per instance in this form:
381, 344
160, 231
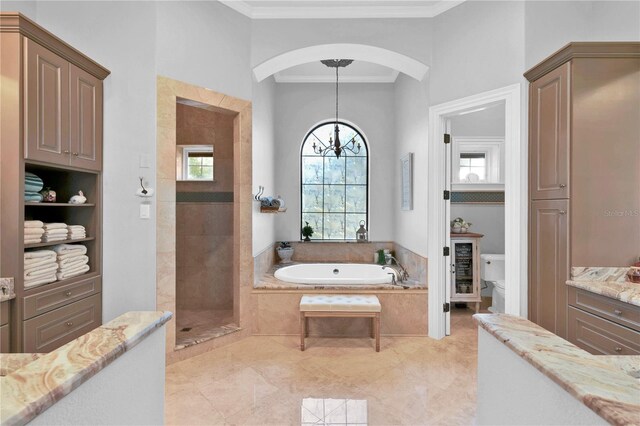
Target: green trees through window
334, 191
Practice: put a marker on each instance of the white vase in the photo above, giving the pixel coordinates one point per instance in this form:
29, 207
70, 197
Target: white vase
285, 254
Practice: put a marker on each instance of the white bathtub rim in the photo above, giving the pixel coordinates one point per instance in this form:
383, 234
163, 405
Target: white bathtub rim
286, 274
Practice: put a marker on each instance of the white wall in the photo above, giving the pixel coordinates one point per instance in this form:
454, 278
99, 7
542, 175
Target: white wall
205, 43
264, 110
371, 108
411, 104
477, 46
551, 25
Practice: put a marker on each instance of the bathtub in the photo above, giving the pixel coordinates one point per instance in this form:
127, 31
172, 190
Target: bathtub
335, 274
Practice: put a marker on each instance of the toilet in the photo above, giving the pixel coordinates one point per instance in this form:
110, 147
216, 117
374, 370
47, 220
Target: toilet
492, 271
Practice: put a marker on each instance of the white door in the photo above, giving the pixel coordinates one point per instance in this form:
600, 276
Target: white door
446, 226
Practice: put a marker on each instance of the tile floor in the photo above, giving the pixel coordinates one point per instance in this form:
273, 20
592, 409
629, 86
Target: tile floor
201, 325
269, 381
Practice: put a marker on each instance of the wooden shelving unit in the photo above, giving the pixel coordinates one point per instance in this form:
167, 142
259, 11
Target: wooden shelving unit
48, 244
32, 204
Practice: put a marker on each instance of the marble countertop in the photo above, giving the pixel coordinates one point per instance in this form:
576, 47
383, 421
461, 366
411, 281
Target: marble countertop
32, 386
6, 289
270, 282
605, 384
609, 282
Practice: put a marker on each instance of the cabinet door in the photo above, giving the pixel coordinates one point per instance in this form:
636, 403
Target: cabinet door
549, 264
464, 274
86, 119
549, 135
47, 105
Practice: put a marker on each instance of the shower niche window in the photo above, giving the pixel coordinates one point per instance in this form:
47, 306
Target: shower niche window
195, 162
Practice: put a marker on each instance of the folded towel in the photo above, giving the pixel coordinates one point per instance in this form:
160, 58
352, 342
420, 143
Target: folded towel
73, 268
33, 231
48, 226
32, 273
73, 262
33, 224
72, 272
56, 231
76, 249
46, 279
33, 197
32, 263
39, 254
77, 237
75, 227
32, 183
54, 239
33, 240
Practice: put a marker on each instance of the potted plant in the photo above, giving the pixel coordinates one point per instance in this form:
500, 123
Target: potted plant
285, 252
459, 225
307, 231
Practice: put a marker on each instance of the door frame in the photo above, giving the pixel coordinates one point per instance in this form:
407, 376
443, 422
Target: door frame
516, 212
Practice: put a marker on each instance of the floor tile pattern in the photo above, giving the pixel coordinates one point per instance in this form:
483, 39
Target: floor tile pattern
265, 380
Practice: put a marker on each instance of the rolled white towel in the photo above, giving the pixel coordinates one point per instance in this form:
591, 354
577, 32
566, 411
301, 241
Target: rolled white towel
73, 262
32, 273
48, 226
70, 273
62, 249
39, 254
40, 280
33, 224
33, 231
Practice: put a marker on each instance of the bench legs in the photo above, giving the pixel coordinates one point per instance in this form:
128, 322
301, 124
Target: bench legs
304, 327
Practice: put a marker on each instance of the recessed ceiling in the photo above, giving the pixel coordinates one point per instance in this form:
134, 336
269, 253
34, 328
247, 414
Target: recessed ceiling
332, 9
357, 72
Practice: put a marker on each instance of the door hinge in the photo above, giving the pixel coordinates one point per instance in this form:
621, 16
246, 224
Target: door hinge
445, 251
445, 307
447, 138
447, 195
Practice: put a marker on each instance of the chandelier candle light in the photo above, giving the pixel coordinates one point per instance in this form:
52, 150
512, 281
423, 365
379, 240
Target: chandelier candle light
334, 143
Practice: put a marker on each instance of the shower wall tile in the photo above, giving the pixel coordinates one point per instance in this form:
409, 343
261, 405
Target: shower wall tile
321, 251
204, 219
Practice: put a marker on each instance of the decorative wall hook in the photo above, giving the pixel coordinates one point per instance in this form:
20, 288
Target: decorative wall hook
143, 191
258, 196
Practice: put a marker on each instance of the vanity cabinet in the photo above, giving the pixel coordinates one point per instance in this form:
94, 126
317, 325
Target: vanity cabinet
584, 104
5, 341
465, 270
601, 325
63, 111
51, 126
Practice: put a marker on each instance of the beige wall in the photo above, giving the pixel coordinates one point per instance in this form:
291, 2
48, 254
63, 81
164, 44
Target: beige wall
204, 230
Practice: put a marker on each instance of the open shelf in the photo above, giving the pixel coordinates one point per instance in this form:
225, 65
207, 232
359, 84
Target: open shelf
268, 210
54, 243
43, 204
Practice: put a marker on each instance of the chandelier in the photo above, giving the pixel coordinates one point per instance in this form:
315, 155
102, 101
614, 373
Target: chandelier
335, 145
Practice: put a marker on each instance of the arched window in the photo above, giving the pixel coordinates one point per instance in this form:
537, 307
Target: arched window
334, 195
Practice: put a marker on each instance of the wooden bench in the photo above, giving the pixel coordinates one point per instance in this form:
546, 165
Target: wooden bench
340, 306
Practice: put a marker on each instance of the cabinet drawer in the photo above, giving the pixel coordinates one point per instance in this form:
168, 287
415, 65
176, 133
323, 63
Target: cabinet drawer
51, 299
605, 307
601, 337
53, 329
4, 339
4, 313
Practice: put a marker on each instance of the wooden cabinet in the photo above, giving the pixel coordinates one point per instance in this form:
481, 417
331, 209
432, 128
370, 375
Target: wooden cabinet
58, 137
601, 325
549, 135
63, 105
584, 104
549, 264
5, 342
465, 270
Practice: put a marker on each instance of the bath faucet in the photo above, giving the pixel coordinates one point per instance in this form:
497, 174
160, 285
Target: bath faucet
393, 277
403, 275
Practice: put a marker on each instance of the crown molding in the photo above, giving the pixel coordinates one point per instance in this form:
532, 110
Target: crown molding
340, 12
390, 78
